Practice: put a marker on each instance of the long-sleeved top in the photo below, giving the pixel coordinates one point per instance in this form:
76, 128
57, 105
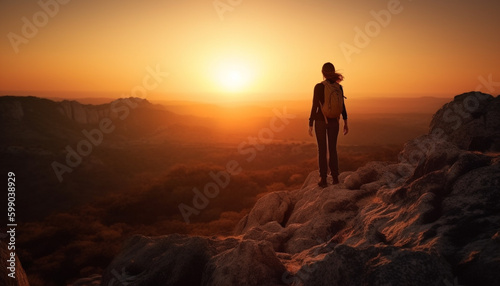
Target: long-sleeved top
319, 96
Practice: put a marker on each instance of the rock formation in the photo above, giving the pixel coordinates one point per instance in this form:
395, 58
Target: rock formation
471, 121
430, 219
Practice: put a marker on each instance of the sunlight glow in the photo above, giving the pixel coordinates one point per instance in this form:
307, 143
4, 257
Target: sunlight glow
233, 75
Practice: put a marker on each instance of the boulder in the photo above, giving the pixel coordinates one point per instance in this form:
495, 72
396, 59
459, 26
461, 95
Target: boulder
376, 265
271, 207
169, 260
367, 174
471, 121
183, 260
249, 263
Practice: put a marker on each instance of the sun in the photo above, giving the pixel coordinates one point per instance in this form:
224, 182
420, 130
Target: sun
233, 75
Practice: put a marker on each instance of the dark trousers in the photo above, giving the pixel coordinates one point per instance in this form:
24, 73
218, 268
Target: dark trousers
326, 135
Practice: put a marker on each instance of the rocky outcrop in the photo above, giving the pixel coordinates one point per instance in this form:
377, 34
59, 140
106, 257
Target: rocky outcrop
83, 114
183, 260
471, 121
431, 218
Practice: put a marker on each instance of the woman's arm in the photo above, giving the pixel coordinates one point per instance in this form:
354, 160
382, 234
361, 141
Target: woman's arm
344, 114
315, 106
318, 89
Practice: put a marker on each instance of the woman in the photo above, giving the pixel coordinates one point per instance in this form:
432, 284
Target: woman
326, 128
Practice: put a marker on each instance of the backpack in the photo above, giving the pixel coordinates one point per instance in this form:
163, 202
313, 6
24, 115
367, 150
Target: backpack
334, 100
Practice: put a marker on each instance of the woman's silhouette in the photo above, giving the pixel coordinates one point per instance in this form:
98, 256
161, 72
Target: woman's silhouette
327, 129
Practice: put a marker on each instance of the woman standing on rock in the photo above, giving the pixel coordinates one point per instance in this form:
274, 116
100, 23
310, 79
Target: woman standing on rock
328, 105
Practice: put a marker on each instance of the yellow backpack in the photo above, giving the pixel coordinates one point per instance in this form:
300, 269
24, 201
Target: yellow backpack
334, 100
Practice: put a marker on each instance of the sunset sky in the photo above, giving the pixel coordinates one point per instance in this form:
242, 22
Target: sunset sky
205, 50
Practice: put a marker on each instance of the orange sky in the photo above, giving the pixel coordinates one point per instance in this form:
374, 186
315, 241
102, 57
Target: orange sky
247, 49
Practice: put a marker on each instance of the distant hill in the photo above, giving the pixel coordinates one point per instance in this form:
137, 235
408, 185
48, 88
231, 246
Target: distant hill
29, 119
66, 153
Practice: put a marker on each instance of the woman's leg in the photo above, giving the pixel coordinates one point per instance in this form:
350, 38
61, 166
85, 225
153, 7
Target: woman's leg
333, 132
320, 130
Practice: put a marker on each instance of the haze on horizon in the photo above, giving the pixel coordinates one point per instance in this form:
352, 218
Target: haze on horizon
230, 50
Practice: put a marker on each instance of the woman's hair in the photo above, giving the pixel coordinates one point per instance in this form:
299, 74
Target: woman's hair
329, 73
